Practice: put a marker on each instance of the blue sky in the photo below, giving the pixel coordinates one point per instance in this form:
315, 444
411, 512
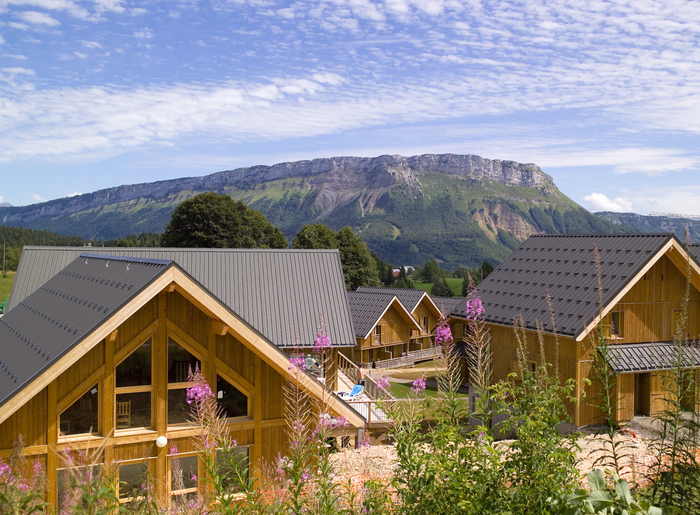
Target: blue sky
603, 95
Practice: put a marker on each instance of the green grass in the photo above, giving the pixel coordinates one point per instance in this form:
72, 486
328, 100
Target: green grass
6, 285
403, 391
454, 282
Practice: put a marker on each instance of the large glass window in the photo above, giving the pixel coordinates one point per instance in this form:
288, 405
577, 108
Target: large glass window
132, 480
183, 475
134, 389
229, 466
180, 364
233, 402
81, 416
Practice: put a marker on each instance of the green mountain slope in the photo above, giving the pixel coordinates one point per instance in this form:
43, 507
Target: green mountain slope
459, 210
651, 224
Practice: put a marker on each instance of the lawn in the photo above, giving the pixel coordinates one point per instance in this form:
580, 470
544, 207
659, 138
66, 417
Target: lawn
403, 391
454, 282
6, 285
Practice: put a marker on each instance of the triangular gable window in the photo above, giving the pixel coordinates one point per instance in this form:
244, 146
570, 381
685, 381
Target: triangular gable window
81, 416
233, 402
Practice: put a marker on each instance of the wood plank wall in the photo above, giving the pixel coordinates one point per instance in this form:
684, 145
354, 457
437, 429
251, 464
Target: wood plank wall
190, 325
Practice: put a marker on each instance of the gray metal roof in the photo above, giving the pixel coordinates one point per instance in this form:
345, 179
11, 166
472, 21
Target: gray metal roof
448, 304
60, 314
641, 357
695, 251
278, 292
367, 308
409, 297
564, 266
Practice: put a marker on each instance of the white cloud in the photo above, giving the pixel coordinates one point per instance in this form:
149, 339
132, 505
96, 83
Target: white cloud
600, 202
138, 11
18, 71
38, 18
2, 40
38, 198
16, 56
144, 33
91, 44
80, 55
74, 194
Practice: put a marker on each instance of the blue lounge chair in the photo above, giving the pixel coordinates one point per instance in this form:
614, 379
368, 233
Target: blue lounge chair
354, 394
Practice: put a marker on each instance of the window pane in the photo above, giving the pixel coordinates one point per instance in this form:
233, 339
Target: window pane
133, 410
132, 478
136, 369
178, 409
81, 416
233, 402
180, 362
183, 472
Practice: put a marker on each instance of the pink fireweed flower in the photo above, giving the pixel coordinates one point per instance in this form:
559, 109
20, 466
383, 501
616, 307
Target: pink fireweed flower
4, 469
322, 342
383, 383
443, 334
194, 477
198, 393
418, 386
37, 467
297, 362
474, 308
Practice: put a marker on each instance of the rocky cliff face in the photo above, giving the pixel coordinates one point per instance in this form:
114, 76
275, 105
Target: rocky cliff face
341, 179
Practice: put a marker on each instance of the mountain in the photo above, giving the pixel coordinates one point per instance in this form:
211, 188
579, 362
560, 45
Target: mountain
5, 204
641, 223
458, 209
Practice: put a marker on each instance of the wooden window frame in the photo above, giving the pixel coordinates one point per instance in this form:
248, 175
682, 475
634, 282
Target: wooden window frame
620, 327
183, 385
249, 404
149, 465
375, 340
424, 324
83, 436
169, 478
136, 389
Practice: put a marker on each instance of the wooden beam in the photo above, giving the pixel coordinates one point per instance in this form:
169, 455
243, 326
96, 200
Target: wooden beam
235, 378
257, 417
219, 327
92, 339
77, 392
112, 336
160, 392
51, 440
33, 450
192, 345
135, 342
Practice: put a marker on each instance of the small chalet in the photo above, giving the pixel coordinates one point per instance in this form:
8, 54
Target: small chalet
423, 309
643, 278
383, 328
98, 353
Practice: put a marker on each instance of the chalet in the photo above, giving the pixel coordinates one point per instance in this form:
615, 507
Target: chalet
643, 278
282, 293
99, 352
423, 309
383, 327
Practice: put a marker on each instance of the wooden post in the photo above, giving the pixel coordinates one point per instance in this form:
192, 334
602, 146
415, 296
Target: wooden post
160, 378
257, 417
51, 441
210, 367
108, 385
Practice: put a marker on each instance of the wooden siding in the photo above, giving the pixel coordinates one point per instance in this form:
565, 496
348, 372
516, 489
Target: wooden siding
168, 314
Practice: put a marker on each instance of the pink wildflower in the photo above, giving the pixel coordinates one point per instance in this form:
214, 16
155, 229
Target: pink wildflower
443, 333
297, 362
474, 308
198, 392
418, 386
322, 342
383, 383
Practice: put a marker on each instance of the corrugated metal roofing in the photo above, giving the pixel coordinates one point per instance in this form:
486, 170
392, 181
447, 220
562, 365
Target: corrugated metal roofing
641, 357
62, 312
448, 304
564, 266
278, 292
410, 298
695, 251
367, 308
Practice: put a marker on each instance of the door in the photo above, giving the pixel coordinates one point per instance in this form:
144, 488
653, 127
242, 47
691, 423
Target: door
642, 394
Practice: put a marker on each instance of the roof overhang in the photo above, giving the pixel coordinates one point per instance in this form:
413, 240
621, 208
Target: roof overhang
651, 357
677, 254
431, 305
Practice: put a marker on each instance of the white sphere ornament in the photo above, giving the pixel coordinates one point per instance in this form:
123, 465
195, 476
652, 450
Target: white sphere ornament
161, 442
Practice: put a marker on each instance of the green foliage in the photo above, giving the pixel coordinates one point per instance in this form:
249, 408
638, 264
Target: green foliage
146, 239
316, 236
359, 268
441, 288
210, 220
431, 270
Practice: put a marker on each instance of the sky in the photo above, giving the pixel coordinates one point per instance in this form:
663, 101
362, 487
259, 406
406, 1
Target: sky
603, 95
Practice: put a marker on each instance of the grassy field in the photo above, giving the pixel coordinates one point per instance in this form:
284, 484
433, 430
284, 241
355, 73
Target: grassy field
6, 285
403, 391
454, 282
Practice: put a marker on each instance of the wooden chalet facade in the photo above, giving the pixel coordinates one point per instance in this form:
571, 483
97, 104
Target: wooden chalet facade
643, 278
99, 356
383, 327
423, 309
